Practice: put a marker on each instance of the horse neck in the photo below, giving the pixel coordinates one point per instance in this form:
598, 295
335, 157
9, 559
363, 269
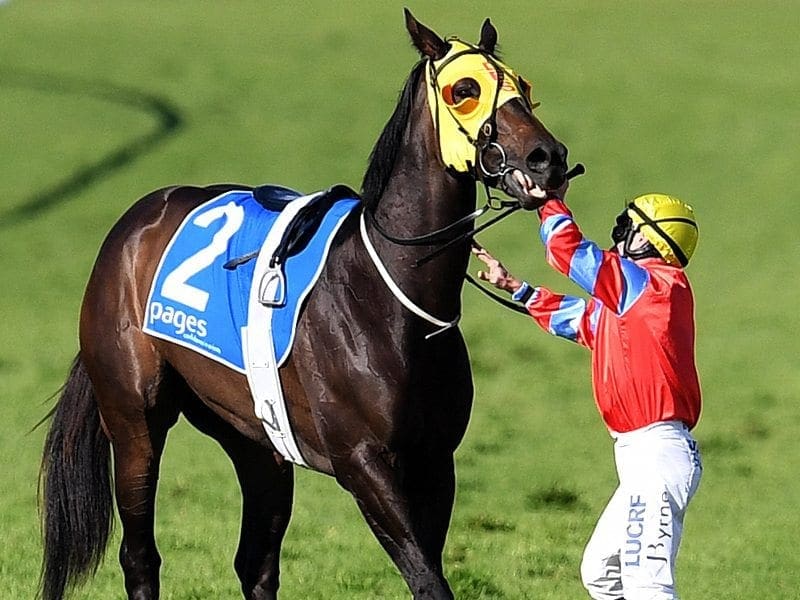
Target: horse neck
421, 197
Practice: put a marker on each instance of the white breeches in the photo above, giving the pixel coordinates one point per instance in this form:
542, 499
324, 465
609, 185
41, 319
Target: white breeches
632, 551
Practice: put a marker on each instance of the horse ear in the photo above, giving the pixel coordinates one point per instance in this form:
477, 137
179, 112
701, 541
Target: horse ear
427, 42
488, 37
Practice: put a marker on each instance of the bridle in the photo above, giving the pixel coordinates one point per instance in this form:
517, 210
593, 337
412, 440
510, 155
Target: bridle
484, 142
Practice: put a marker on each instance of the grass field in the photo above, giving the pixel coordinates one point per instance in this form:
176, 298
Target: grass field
102, 102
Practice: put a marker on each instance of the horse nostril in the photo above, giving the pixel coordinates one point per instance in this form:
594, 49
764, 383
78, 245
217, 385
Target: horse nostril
548, 158
538, 160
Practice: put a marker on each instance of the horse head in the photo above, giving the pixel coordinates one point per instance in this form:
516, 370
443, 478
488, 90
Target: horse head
483, 115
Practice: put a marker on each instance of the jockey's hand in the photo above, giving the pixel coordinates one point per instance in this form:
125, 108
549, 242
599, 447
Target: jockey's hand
497, 274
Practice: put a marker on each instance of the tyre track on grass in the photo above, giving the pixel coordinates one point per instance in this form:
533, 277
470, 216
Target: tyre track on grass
168, 117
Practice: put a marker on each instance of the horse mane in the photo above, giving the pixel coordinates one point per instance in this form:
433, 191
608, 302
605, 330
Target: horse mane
384, 153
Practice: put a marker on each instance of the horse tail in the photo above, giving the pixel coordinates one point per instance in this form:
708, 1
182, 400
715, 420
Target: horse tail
75, 485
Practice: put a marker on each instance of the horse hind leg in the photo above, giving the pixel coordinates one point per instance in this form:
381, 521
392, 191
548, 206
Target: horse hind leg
137, 409
267, 489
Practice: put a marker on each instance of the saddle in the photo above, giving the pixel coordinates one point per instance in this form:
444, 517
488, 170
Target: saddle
306, 222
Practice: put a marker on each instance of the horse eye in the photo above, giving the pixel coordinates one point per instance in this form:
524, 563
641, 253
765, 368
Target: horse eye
465, 88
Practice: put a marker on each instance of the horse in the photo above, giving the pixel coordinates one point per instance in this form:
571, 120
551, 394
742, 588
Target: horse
378, 384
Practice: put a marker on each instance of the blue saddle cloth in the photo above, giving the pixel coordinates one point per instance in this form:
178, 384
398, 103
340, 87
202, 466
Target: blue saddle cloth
197, 303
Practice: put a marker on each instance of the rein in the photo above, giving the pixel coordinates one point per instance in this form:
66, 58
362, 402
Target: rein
440, 235
427, 239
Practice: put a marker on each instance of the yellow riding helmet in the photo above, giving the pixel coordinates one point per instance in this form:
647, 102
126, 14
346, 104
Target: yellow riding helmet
668, 224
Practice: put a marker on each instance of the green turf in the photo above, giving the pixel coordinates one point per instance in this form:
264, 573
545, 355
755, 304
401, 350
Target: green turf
699, 99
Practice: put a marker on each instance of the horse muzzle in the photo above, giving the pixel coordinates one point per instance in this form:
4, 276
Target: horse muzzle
543, 175
521, 186
530, 180
532, 189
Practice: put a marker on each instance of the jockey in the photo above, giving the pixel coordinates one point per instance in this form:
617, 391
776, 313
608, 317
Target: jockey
639, 325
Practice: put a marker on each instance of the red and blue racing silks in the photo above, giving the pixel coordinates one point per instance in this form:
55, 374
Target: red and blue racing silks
639, 324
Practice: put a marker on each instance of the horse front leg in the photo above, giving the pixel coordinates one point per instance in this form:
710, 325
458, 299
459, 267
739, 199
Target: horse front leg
411, 532
429, 481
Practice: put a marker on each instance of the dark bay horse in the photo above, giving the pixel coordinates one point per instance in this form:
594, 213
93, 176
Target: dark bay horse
373, 399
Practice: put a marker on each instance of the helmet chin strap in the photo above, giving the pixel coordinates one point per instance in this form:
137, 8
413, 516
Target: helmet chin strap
624, 232
646, 250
